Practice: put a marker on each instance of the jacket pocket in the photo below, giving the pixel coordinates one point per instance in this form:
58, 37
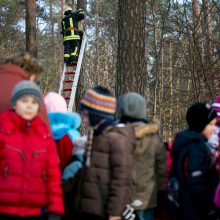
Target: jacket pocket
39, 166
40, 153
16, 150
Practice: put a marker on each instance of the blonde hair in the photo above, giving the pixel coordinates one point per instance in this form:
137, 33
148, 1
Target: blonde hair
27, 62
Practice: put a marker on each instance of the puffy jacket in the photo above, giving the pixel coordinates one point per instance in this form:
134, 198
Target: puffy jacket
149, 171
64, 148
10, 75
106, 182
70, 25
29, 168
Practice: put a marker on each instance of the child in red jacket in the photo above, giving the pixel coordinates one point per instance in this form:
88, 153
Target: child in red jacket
29, 167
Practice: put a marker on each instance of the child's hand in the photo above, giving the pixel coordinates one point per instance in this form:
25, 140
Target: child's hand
114, 218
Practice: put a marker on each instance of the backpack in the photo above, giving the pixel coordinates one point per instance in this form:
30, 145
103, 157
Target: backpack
176, 181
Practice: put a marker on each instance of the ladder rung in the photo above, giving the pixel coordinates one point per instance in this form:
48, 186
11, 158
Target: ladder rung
68, 81
71, 64
66, 97
67, 89
69, 72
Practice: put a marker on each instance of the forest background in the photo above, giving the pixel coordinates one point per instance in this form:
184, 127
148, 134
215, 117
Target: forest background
167, 50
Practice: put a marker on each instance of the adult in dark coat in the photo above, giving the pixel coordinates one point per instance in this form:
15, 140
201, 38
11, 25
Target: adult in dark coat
192, 165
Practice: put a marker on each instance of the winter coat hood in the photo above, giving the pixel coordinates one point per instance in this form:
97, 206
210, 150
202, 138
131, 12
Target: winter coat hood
13, 70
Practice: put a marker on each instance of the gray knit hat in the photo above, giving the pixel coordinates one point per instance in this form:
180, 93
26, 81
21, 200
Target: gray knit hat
132, 105
23, 88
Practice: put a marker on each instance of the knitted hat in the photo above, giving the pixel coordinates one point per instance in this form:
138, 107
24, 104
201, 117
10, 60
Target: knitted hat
25, 88
99, 101
216, 106
54, 102
132, 105
199, 115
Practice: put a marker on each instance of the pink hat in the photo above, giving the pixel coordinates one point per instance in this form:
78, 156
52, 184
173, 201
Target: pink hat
54, 102
216, 106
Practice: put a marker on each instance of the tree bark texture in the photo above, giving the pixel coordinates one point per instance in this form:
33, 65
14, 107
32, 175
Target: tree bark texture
131, 66
81, 4
31, 42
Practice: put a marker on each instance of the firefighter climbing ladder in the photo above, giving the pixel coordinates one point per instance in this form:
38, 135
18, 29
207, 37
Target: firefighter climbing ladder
70, 78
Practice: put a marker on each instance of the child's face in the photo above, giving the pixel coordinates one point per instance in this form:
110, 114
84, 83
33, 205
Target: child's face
209, 129
27, 107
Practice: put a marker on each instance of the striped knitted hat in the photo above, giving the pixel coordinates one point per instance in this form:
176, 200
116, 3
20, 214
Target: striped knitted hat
99, 101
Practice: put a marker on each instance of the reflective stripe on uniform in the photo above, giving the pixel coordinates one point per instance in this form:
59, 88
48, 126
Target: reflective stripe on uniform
71, 26
72, 36
75, 37
75, 52
66, 55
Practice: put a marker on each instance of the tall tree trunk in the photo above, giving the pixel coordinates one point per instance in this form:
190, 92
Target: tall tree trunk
31, 42
208, 31
52, 25
62, 7
131, 62
81, 4
97, 29
198, 41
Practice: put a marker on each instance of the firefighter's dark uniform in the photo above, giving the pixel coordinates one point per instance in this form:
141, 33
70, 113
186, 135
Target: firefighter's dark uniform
71, 35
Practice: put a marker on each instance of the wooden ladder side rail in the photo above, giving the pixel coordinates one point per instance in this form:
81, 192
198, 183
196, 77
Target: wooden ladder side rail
62, 79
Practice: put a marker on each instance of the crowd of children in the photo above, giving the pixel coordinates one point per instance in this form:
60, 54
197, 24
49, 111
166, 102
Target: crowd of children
48, 170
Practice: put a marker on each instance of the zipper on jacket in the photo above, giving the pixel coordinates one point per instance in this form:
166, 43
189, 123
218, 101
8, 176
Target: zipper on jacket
5, 174
44, 175
28, 125
17, 150
36, 153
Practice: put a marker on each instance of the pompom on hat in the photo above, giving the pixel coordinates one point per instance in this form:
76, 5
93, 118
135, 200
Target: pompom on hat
216, 106
99, 101
199, 115
25, 88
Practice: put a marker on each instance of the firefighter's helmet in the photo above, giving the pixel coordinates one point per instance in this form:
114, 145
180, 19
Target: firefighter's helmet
67, 8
